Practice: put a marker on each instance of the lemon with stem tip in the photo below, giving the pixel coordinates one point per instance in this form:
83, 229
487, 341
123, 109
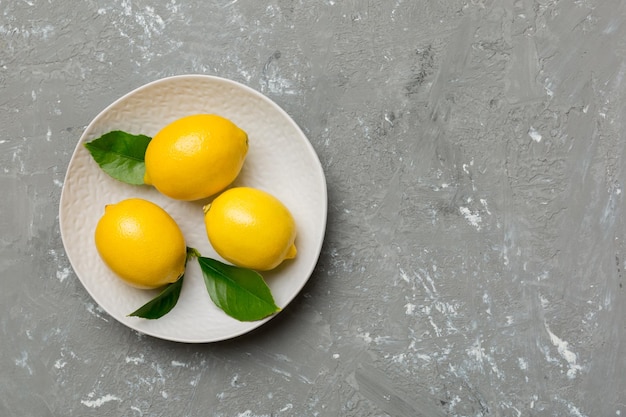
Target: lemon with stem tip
250, 228
195, 157
141, 243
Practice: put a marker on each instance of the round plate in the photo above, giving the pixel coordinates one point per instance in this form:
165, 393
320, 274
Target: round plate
280, 160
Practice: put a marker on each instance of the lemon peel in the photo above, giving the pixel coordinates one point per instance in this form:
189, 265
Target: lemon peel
195, 157
250, 228
141, 243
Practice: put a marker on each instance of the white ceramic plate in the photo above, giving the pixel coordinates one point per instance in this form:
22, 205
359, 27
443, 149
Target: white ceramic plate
280, 160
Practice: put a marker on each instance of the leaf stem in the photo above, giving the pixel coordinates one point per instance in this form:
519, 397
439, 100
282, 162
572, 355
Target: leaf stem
192, 253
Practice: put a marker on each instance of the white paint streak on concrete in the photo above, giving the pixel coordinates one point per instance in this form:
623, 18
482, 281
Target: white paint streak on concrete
424, 358
399, 358
575, 411
249, 413
472, 217
409, 309
22, 362
160, 373
64, 273
43, 32
287, 407
96, 311
195, 380
282, 373
563, 349
135, 360
99, 402
365, 336
476, 352
404, 276
150, 21
549, 87
534, 134
522, 363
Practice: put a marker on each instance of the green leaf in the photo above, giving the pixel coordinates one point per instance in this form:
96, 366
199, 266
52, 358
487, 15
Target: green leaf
121, 155
167, 299
162, 303
240, 292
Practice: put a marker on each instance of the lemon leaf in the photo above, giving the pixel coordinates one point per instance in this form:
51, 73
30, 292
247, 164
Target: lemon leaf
162, 303
239, 292
121, 155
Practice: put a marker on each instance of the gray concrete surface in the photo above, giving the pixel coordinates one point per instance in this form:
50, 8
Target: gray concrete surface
475, 251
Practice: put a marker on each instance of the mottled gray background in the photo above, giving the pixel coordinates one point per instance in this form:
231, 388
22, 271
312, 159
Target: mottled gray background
475, 250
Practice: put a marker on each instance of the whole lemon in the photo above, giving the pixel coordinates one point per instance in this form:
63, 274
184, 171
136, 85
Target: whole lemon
141, 243
195, 157
250, 228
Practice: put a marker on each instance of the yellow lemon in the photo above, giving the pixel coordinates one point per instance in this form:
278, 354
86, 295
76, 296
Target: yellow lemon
141, 243
195, 157
250, 228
